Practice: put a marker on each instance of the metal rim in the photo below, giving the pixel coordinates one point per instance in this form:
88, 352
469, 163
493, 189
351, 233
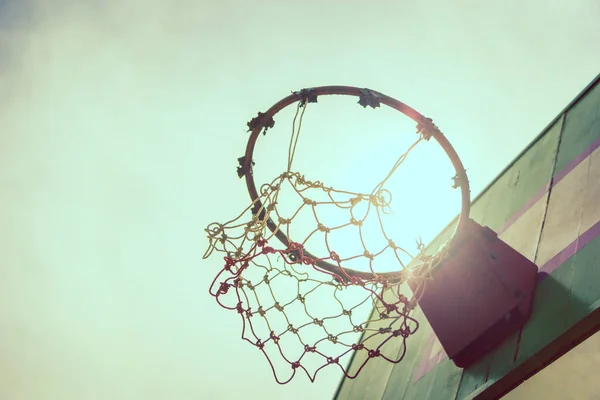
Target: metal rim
367, 97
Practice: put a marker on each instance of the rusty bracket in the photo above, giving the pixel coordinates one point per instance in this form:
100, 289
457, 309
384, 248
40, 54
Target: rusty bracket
369, 98
458, 181
306, 96
261, 121
245, 167
426, 128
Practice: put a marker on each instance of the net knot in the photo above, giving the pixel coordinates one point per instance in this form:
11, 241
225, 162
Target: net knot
224, 288
274, 337
252, 225
290, 174
237, 254
390, 308
301, 180
229, 262
268, 250
358, 329
401, 332
309, 202
308, 261
334, 256
381, 199
293, 246
356, 281
332, 338
323, 228
331, 360
266, 188
355, 222
374, 353
295, 364
359, 346
214, 229
239, 308
310, 349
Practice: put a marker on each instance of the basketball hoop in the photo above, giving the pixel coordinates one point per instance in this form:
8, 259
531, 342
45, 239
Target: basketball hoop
269, 273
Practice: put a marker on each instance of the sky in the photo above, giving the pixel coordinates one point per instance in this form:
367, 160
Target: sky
122, 122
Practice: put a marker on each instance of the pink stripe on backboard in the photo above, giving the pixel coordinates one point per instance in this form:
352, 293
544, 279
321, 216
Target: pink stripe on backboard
441, 357
583, 240
423, 366
576, 161
557, 178
537, 197
426, 364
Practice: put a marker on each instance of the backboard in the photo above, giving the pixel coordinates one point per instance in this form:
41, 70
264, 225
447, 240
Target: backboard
545, 204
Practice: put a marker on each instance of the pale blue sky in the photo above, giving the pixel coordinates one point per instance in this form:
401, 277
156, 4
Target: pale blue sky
121, 125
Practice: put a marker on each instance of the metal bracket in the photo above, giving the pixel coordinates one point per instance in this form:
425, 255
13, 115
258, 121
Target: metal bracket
369, 98
427, 128
459, 181
261, 121
245, 167
306, 96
